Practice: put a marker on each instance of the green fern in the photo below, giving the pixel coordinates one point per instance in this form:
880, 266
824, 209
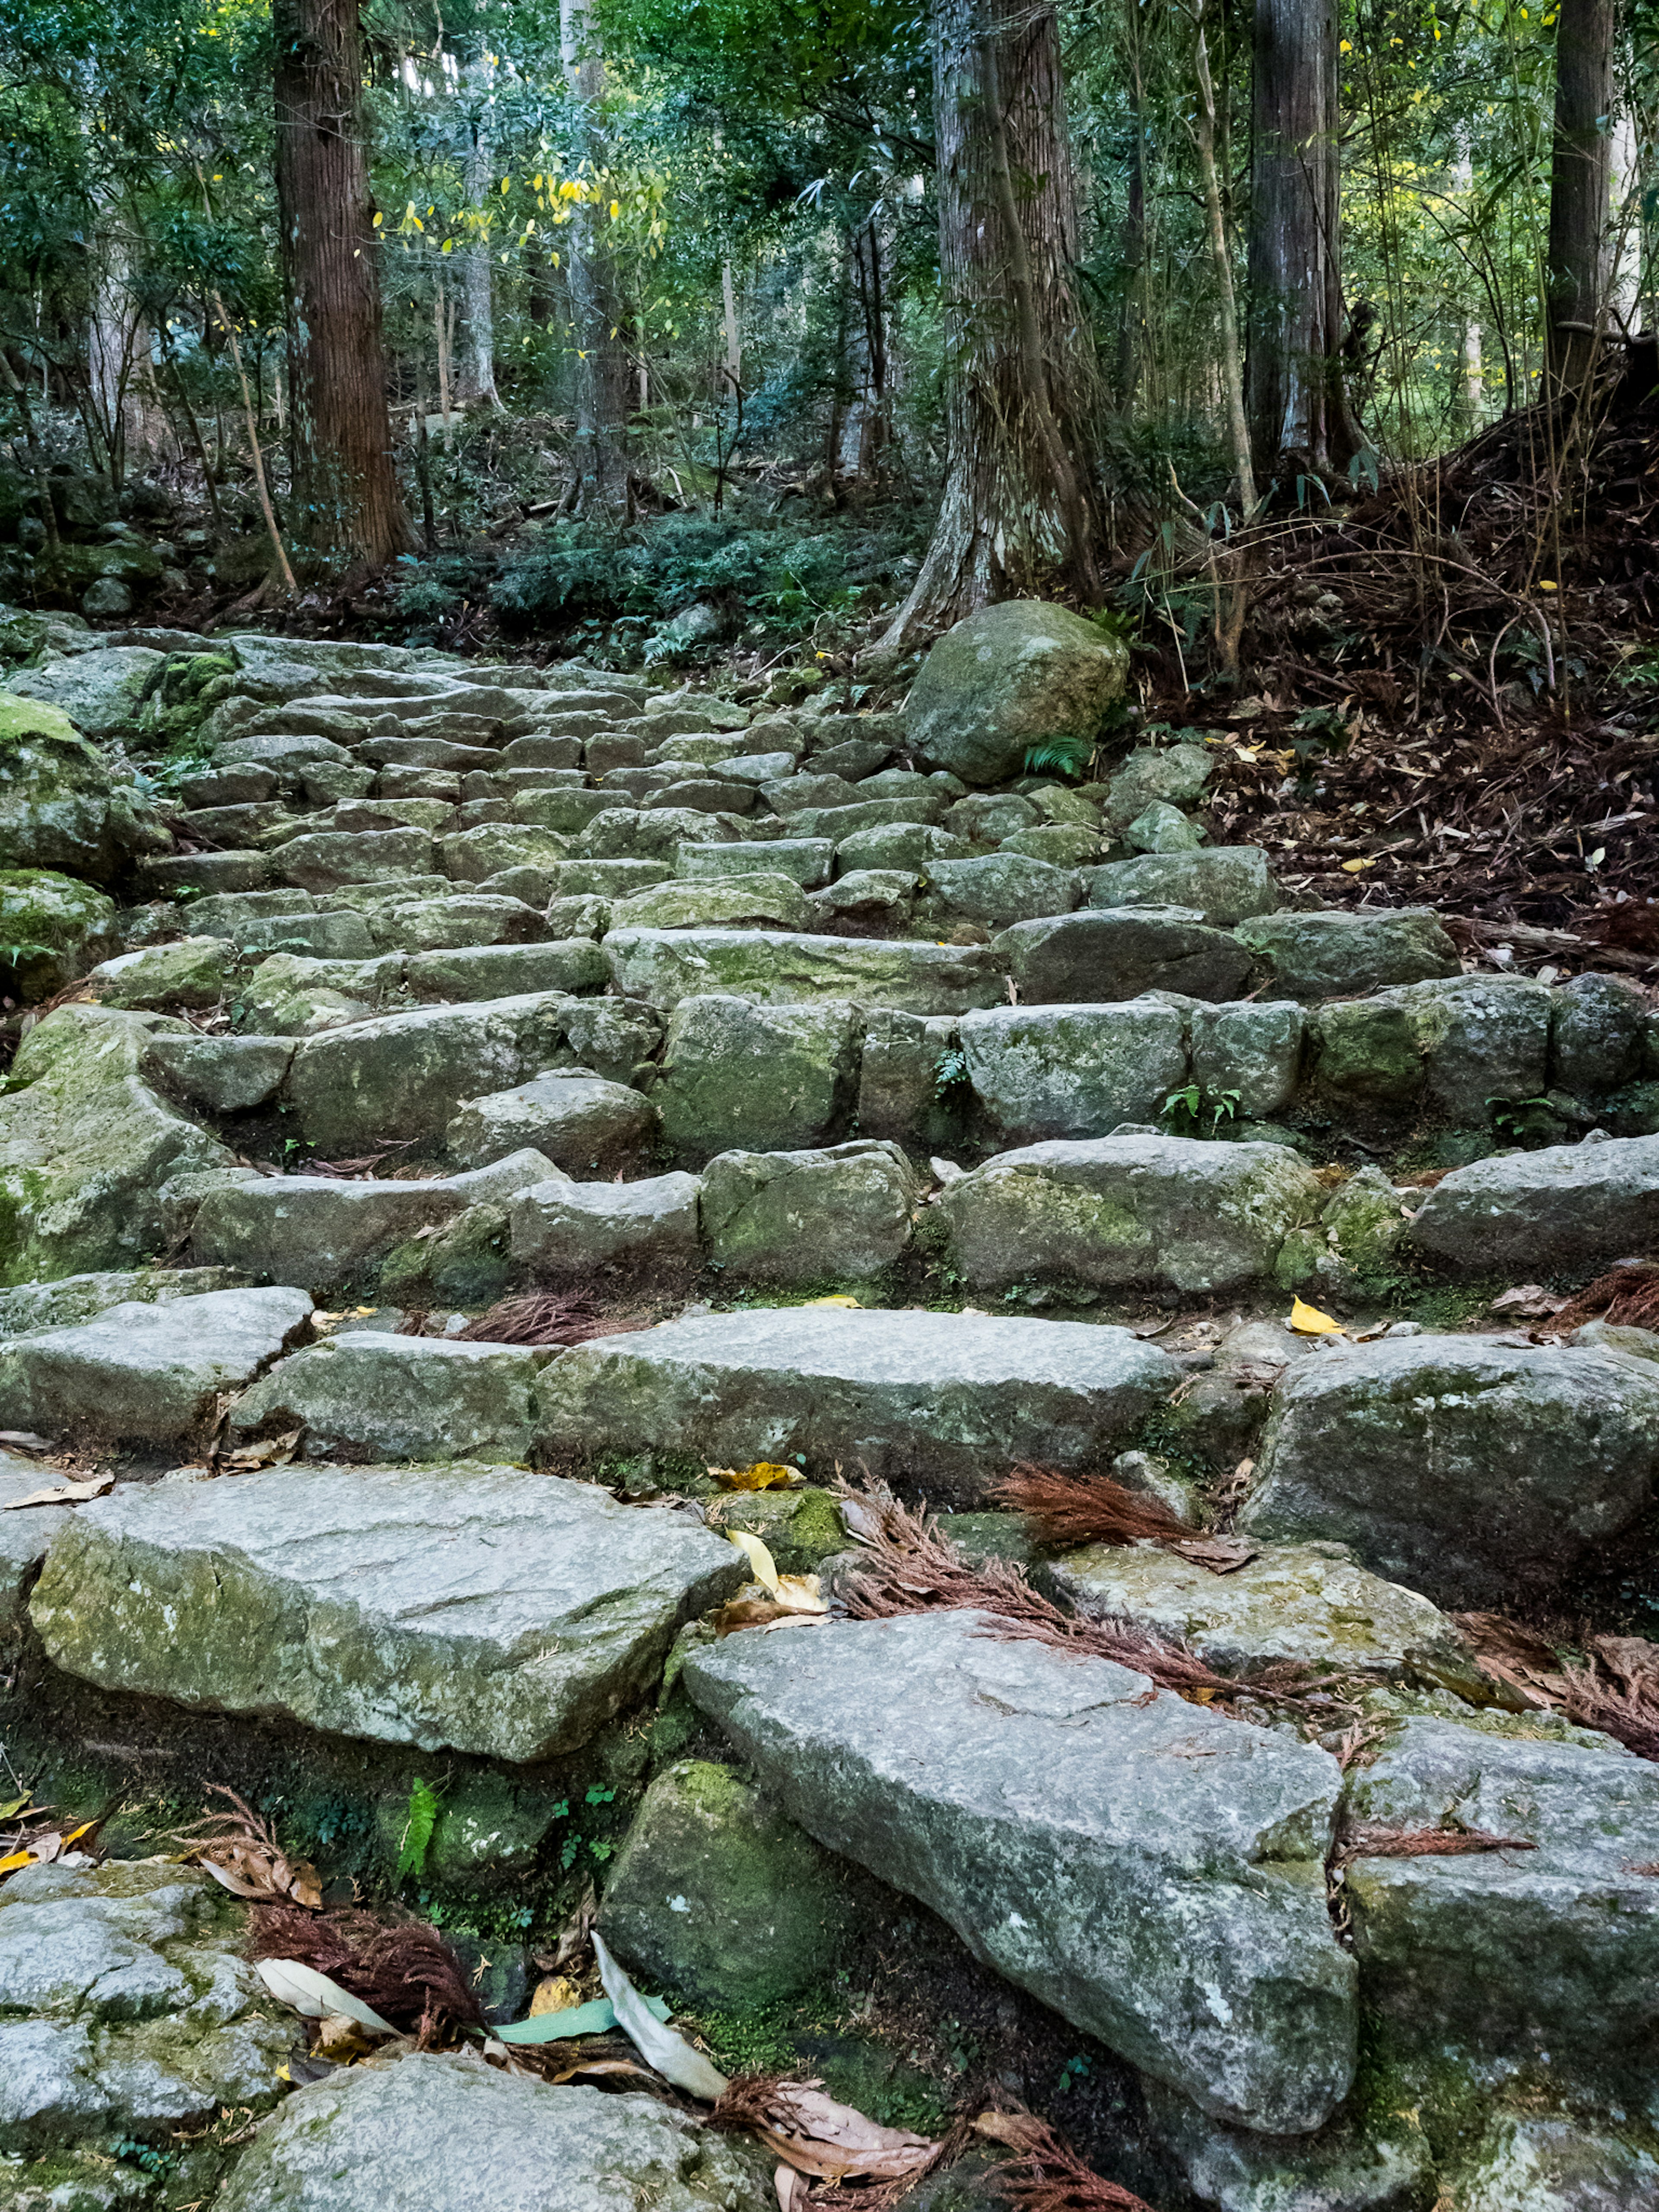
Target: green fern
422, 1819
1058, 756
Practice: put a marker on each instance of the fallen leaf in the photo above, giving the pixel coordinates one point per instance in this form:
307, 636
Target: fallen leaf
586, 2069
861, 1523
765, 1475
67, 1493
1528, 1302
342, 2039
759, 1557
275, 1451
572, 1936
791, 2187
1222, 1555
801, 1593
1353, 867
746, 1613
11, 1863
1308, 1320
658, 2046
554, 1993
313, 1996
10, 1812
1507, 1653
834, 2143
242, 1854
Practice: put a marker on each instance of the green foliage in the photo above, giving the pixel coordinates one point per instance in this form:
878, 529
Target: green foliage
1059, 755
422, 1819
1524, 1120
1185, 1110
951, 1076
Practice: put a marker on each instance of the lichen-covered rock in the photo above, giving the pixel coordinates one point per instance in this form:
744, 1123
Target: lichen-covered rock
1129, 1209
761, 1078
1466, 1470
563, 1230
73, 1299
1224, 884
1247, 1056
1545, 2162
445, 2133
52, 930
194, 971
1103, 954
1564, 1206
580, 1123
1009, 678
1002, 888
717, 1895
1178, 1913
367, 1396
1075, 1071
1471, 1044
662, 967
842, 1213
1173, 775
770, 900
805, 861
475, 1609
221, 1075
1340, 954
62, 806
1597, 1027
1161, 828
86, 1145
100, 692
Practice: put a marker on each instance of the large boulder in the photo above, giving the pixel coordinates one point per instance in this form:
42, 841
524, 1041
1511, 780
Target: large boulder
101, 691
1341, 953
1058, 1070
444, 2132
841, 1214
1470, 1043
662, 966
1175, 1210
52, 930
762, 1078
1001, 888
1225, 884
562, 1230
61, 805
951, 1400
1152, 1871
1564, 1207
478, 1610
86, 1145
1111, 953
1469, 1470
1008, 680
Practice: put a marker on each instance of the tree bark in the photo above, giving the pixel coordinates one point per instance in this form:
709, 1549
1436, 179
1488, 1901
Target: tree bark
346, 501
1299, 418
603, 394
1577, 268
477, 380
863, 426
1021, 512
1204, 133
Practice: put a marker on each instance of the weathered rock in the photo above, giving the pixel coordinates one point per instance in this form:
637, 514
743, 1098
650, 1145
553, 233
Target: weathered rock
289, 995
735, 1073
612, 879
620, 1041
839, 823
717, 1895
221, 1075
1543, 1958
323, 861
662, 967
193, 972
138, 2017
444, 2132
62, 806
1111, 953
563, 1230
1596, 1031
1248, 1056
1003, 888
1161, 828
1310, 1603
465, 920
1364, 2161
1465, 1469
1562, 1207
474, 972
623, 833
806, 860
1179, 1914
1069, 845
1545, 2164
1150, 1209
909, 846
476, 1609
472, 856
369, 1396
577, 1122
1173, 775
1472, 1042
1224, 884
1340, 954
322, 1230
148, 1371
1072, 1071
953, 1400
904, 1074
406, 1075
986, 817
1010, 677
844, 1213
25, 1537
52, 930
85, 1146
762, 901
100, 692
870, 893
73, 1299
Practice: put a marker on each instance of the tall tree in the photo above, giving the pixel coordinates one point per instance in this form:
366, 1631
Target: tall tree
478, 378
1299, 419
1578, 260
345, 500
603, 397
1021, 513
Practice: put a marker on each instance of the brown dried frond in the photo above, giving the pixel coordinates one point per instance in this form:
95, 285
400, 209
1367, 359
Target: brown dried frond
1626, 1296
1071, 1509
408, 1973
1383, 1842
542, 1318
1045, 2175
1628, 1712
745, 2102
908, 1566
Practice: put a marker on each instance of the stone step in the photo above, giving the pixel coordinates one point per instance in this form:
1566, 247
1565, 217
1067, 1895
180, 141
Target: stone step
1152, 1871
1561, 1208
951, 1400
367, 1396
474, 1609
662, 967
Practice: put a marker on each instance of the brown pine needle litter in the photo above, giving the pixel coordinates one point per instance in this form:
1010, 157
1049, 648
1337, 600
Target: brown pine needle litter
1626, 1296
1044, 2175
542, 1318
908, 1566
408, 1973
1071, 1509
1378, 1843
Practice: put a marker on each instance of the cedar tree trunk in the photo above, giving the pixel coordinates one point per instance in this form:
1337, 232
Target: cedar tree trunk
604, 393
1581, 168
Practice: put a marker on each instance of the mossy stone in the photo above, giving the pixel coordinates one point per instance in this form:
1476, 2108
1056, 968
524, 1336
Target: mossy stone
801, 1528
52, 929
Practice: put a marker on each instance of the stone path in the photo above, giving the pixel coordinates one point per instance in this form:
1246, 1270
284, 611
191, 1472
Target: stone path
897, 1132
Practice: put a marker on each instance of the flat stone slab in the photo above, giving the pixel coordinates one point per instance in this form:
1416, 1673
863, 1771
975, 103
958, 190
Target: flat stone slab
151, 1371
124, 2008
1340, 953
955, 1400
578, 1121
1310, 1603
1468, 1470
1117, 952
476, 1609
366, 1395
1151, 1869
1177, 1209
433, 2132
664, 966
1073, 1071
1564, 1206
564, 1230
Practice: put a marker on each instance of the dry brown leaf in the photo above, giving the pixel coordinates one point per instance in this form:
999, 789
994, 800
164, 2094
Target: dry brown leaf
1505, 1652
1222, 1555
273, 1452
1528, 1302
834, 2143
242, 1854
791, 2188
572, 1936
66, 1493
745, 1613
342, 2039
587, 2070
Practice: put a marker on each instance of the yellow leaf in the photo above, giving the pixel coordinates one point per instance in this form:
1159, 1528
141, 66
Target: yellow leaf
557, 1993
764, 1474
17, 1859
759, 1557
1544, 584
849, 1305
616, 210
801, 1593
1353, 867
1308, 1320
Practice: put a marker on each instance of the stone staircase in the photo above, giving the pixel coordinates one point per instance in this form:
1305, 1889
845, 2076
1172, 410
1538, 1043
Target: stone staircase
898, 1135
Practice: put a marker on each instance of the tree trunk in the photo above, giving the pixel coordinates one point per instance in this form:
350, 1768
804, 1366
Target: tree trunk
345, 499
603, 394
1576, 263
1204, 133
112, 339
864, 427
477, 380
1299, 418
1021, 514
